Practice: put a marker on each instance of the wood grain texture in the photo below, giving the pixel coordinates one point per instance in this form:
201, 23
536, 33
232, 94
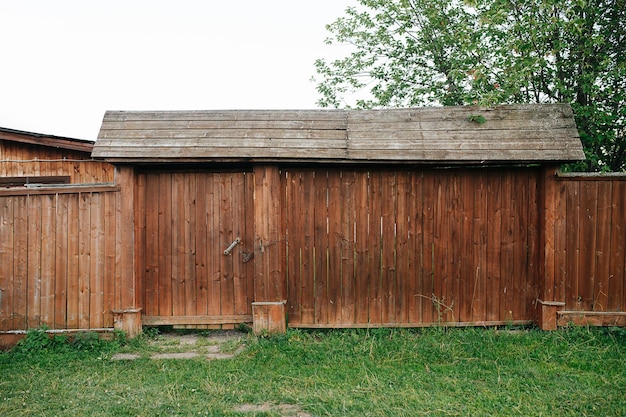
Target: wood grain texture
520, 133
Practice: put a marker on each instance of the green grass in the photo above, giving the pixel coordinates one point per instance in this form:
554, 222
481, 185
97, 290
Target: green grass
382, 372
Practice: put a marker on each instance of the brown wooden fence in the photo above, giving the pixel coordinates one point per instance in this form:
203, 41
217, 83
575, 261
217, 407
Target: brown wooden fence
590, 243
352, 247
406, 247
59, 258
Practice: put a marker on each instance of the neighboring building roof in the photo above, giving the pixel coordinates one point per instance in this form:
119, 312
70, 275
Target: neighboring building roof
450, 135
51, 141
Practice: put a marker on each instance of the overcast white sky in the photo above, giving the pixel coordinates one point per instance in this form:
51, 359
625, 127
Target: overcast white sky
65, 62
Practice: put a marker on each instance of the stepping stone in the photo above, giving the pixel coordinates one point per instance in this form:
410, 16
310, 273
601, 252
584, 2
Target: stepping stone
181, 355
125, 357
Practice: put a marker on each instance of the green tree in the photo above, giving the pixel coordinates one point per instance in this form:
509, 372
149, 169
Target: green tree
485, 52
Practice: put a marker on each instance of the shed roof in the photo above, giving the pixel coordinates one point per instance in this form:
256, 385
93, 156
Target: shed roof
41, 139
451, 135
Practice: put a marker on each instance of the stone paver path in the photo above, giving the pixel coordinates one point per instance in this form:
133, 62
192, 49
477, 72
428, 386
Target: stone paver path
189, 346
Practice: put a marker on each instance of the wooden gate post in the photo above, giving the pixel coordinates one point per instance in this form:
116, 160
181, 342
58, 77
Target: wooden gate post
548, 304
269, 280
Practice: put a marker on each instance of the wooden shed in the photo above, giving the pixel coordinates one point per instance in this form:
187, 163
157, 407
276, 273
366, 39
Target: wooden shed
404, 217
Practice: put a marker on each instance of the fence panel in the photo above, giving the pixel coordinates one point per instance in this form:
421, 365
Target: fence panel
592, 251
57, 258
401, 247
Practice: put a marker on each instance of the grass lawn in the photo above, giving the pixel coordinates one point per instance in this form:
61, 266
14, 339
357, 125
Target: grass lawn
382, 372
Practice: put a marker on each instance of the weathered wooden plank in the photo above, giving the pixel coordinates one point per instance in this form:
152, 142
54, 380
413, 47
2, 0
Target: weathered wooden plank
293, 201
414, 247
573, 245
335, 242
84, 259
494, 229
96, 268
442, 137
388, 242
149, 204
110, 267
226, 238
48, 237
60, 262
507, 254
175, 134
249, 238
189, 242
617, 278
306, 215
404, 274
520, 207
239, 229
376, 294
165, 248
453, 241
479, 249
427, 292
34, 262
215, 271
178, 246
448, 155
347, 225
269, 279
125, 177
220, 124
600, 298
195, 320
228, 115
7, 258
320, 184
362, 252
587, 238
467, 269
201, 216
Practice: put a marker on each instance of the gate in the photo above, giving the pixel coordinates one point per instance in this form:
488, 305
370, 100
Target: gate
196, 235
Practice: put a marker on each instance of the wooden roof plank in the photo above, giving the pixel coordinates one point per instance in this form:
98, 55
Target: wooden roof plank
511, 133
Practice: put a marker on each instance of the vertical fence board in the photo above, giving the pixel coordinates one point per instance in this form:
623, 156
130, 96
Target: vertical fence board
201, 251
110, 228
165, 245
388, 247
362, 253
48, 237
428, 255
603, 248
152, 257
494, 239
320, 185
479, 243
347, 234
96, 273
34, 262
61, 262
587, 238
402, 271
334, 275
189, 243
84, 259
73, 256
7, 259
375, 254
617, 277
414, 248
226, 238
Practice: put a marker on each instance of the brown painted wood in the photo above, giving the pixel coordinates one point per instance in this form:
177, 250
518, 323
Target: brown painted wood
617, 263
363, 253
7, 259
600, 295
